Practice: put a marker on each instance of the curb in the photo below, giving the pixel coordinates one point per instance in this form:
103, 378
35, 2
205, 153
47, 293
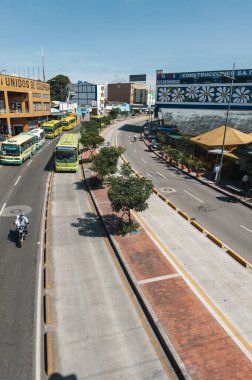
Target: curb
47, 307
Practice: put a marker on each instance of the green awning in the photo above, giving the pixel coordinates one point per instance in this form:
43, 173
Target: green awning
243, 151
178, 137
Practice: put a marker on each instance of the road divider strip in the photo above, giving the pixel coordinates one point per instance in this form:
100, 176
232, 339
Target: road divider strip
48, 309
238, 258
50, 365
215, 240
48, 341
198, 226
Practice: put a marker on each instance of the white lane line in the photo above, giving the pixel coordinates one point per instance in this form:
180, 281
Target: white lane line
15, 184
143, 161
29, 163
39, 151
245, 228
161, 175
2, 208
130, 142
148, 174
193, 196
134, 150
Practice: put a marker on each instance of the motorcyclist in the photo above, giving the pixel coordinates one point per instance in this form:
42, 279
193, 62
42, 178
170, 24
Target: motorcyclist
22, 220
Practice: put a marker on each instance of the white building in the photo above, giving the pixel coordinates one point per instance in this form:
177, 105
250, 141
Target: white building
87, 94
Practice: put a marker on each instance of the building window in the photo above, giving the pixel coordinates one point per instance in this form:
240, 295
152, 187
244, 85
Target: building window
34, 95
46, 96
37, 106
47, 106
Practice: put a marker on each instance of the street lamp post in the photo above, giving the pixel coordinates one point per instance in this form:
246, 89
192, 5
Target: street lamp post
2, 71
226, 122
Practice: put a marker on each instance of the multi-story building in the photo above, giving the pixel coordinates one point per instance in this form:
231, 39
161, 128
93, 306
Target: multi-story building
88, 94
198, 101
24, 103
132, 93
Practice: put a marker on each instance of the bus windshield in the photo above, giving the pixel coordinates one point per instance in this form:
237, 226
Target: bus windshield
10, 150
69, 155
48, 129
65, 123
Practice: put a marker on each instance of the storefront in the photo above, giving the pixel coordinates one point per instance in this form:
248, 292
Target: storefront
24, 103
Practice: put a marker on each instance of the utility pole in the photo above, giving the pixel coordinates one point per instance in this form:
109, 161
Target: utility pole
43, 64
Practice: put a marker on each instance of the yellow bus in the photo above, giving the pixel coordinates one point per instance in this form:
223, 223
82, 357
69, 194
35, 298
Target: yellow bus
68, 123
66, 153
52, 128
17, 149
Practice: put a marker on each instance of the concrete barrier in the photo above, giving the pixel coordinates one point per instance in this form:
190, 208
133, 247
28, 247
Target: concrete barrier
47, 278
198, 226
238, 258
172, 205
48, 309
50, 367
185, 216
215, 240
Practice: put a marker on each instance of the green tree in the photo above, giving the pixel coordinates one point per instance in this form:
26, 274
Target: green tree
114, 113
58, 87
91, 140
90, 126
105, 162
128, 192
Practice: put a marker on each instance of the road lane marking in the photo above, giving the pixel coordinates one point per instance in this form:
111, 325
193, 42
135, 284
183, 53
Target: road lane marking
29, 163
154, 279
193, 196
39, 151
161, 175
245, 228
2, 208
134, 150
143, 160
151, 176
15, 184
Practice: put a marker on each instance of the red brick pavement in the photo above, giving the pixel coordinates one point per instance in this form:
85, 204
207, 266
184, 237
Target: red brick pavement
204, 347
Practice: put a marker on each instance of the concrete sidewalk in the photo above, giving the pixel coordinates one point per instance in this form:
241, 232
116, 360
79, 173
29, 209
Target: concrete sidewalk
98, 331
199, 297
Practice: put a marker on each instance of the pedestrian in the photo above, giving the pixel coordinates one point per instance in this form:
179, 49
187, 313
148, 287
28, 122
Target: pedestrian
216, 171
245, 181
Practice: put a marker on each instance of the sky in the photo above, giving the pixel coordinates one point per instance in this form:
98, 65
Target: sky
104, 41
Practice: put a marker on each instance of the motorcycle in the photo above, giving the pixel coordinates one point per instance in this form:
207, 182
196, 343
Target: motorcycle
21, 235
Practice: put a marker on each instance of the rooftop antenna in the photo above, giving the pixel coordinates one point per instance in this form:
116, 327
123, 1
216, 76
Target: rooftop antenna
33, 77
38, 73
43, 64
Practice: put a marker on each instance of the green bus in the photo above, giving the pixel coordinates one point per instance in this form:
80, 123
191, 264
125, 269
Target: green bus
17, 149
66, 153
68, 123
52, 128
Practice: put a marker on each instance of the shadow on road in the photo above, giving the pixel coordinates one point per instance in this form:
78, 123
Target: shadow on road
227, 199
131, 128
58, 376
13, 237
49, 165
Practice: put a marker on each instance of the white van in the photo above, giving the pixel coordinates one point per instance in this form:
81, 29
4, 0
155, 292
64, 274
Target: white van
40, 136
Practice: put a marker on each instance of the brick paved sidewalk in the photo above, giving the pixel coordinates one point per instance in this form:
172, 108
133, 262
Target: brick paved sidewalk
206, 350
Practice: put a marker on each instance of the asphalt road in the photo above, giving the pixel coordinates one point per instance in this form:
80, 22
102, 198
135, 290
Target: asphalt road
231, 222
22, 188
